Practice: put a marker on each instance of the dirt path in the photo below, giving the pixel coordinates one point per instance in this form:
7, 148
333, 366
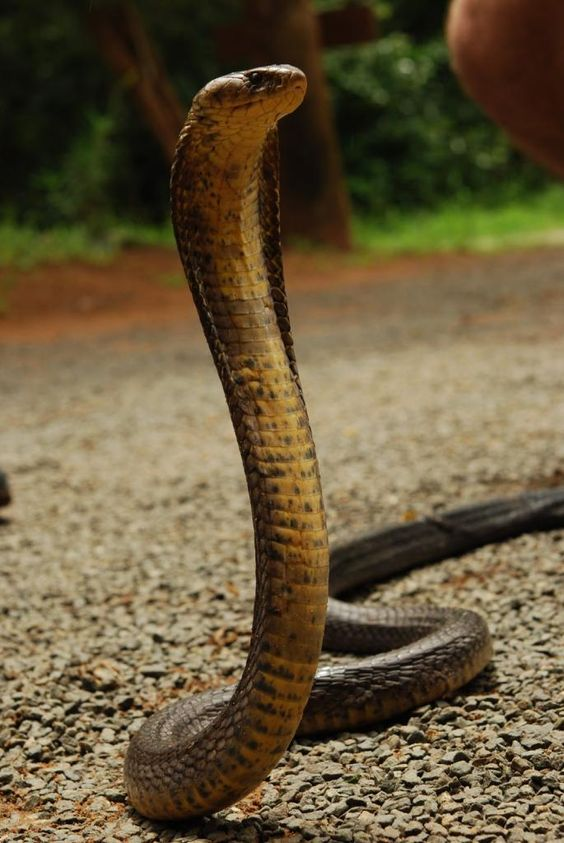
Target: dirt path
126, 557
145, 286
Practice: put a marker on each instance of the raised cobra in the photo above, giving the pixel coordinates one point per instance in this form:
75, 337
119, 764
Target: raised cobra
206, 752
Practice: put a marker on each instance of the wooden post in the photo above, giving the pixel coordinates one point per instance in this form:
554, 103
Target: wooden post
314, 199
315, 204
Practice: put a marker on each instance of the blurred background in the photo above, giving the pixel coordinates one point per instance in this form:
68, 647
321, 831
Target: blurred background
388, 154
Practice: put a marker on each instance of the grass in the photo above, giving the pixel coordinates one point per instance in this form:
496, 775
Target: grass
23, 246
537, 220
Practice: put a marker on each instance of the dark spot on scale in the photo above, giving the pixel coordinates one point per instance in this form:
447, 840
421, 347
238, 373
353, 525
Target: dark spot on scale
307, 507
251, 744
265, 687
250, 363
275, 489
257, 725
280, 671
266, 708
234, 753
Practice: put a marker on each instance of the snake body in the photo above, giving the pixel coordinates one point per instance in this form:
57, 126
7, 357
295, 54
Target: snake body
206, 752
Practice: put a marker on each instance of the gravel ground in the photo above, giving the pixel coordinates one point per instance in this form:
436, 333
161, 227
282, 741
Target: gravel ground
127, 575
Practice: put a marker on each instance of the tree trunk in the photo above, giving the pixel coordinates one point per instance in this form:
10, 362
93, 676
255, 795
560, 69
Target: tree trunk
314, 199
126, 47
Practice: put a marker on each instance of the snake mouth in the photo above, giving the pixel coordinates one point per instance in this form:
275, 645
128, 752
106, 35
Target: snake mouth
271, 90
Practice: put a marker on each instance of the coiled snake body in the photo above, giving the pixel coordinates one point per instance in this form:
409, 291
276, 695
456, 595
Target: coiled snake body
206, 752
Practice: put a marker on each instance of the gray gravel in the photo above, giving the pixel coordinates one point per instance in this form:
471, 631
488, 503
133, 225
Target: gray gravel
127, 575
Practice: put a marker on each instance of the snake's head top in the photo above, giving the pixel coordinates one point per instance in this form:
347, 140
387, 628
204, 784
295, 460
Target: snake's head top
263, 93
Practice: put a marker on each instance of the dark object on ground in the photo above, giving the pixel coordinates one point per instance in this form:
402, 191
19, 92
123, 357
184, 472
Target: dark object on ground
5, 496
388, 552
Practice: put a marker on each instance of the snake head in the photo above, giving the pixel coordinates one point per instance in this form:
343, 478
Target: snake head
262, 94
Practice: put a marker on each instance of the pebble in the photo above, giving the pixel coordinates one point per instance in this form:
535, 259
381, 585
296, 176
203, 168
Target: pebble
127, 569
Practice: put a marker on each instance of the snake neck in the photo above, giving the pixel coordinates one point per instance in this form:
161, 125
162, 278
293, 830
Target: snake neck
225, 213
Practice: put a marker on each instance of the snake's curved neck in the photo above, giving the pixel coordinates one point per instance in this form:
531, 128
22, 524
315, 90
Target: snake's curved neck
221, 206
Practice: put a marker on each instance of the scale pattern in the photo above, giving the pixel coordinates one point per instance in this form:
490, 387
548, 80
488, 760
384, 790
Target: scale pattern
206, 752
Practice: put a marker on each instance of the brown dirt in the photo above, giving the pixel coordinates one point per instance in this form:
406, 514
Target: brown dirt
143, 286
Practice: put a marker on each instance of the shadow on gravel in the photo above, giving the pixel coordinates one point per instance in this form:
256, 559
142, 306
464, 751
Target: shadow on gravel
250, 829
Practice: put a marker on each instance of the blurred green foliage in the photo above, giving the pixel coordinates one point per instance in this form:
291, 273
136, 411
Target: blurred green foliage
72, 144
73, 148
410, 138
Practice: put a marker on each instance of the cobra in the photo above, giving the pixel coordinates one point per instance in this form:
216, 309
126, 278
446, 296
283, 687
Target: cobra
206, 752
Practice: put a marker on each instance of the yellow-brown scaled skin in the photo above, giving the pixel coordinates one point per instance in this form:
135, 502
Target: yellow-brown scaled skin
206, 752
224, 210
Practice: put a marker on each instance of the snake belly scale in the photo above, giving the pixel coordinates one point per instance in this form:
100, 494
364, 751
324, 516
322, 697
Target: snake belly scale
206, 752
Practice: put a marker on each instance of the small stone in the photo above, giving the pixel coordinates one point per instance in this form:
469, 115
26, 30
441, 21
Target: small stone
107, 735
34, 751
519, 764
453, 756
460, 769
6, 775
332, 771
365, 818
446, 716
411, 777
384, 819
416, 736
412, 827
115, 795
153, 670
